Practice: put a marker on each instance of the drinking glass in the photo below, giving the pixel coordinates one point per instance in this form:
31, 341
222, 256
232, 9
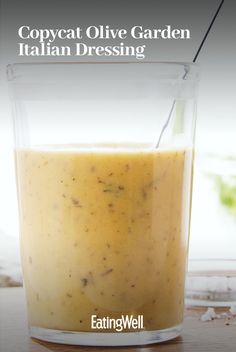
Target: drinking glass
104, 157
211, 277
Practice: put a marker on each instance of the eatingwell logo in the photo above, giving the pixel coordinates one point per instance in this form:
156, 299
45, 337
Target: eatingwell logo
119, 324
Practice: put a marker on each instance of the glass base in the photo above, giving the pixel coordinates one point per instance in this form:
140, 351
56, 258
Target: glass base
105, 339
211, 282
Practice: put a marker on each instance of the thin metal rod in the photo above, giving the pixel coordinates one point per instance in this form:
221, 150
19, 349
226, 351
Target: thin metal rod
166, 124
194, 60
208, 30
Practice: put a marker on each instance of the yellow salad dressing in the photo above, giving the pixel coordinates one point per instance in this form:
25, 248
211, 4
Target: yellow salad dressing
104, 231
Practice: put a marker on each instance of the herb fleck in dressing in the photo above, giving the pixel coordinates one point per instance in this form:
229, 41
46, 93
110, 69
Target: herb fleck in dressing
104, 232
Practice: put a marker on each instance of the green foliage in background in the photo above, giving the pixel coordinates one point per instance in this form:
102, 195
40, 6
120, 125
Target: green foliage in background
227, 191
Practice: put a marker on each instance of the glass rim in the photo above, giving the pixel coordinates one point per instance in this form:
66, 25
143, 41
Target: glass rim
104, 62
68, 63
189, 67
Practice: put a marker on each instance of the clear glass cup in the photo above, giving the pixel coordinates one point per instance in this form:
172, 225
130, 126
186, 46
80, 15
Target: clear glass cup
211, 277
104, 207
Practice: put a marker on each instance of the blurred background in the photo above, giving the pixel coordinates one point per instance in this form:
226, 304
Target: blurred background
213, 229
